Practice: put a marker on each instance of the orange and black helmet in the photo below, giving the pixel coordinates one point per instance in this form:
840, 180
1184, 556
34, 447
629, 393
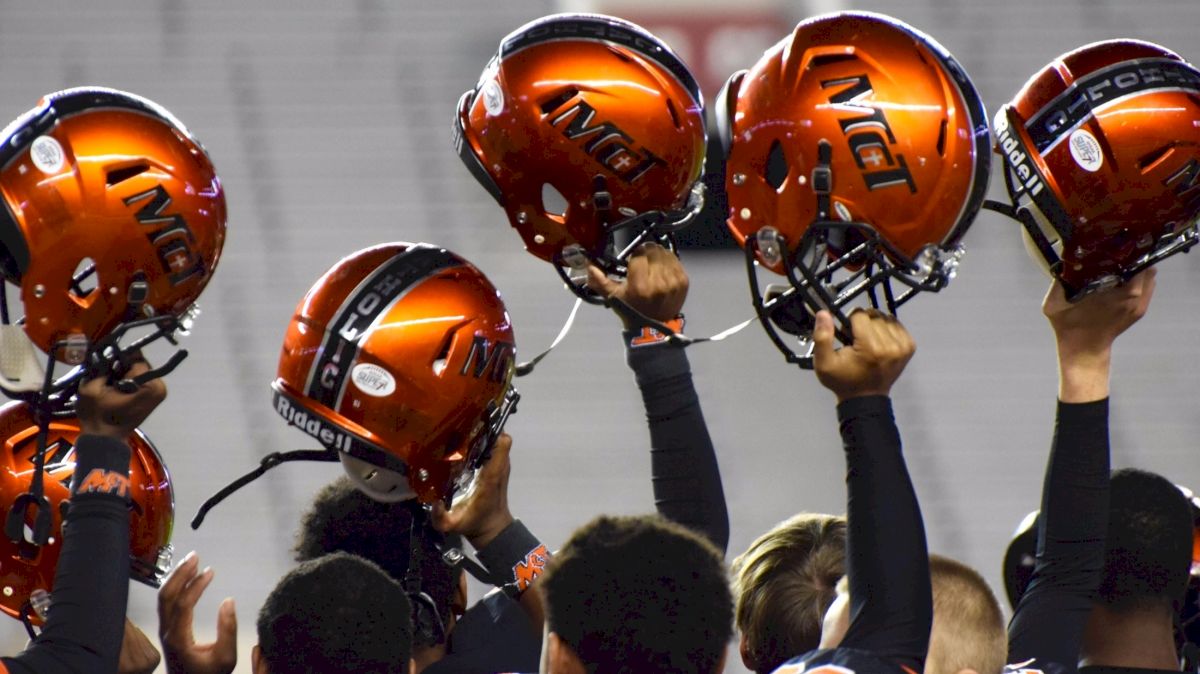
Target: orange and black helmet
857, 150
111, 212
27, 570
400, 358
1102, 161
583, 125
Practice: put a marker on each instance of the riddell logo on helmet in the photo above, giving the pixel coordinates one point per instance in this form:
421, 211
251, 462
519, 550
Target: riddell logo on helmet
328, 434
866, 144
1017, 158
605, 141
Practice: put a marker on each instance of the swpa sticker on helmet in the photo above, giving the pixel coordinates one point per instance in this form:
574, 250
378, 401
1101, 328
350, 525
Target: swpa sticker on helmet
47, 154
1085, 150
373, 380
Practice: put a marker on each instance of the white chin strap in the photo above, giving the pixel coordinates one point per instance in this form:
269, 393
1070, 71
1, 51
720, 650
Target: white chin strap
380, 484
21, 369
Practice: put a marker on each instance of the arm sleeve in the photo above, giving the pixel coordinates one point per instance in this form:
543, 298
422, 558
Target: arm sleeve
1050, 617
891, 604
87, 614
683, 463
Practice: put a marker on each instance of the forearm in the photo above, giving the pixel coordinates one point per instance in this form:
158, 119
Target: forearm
86, 619
887, 560
684, 472
1049, 620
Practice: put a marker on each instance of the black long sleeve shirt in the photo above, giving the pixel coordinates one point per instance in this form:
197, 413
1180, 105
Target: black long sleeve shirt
86, 621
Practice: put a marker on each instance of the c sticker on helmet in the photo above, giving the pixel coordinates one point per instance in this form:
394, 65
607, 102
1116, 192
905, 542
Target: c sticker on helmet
1085, 150
373, 380
47, 155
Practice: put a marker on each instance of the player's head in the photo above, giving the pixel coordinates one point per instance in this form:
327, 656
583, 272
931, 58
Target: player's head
783, 584
584, 126
636, 594
338, 614
968, 624
1148, 554
968, 632
344, 519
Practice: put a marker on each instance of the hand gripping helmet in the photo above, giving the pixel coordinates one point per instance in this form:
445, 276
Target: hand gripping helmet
1102, 161
27, 570
584, 126
857, 156
400, 358
112, 213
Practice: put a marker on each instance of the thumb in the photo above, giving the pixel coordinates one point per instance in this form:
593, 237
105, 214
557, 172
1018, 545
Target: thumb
822, 336
227, 630
440, 517
597, 280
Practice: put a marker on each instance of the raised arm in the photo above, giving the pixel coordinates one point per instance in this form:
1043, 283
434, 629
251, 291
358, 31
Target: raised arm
86, 621
683, 463
1048, 622
887, 562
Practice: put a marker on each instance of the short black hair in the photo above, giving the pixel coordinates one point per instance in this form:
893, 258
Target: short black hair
1148, 553
639, 594
343, 518
338, 614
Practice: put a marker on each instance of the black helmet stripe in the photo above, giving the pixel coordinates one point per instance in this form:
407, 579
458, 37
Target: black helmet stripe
373, 297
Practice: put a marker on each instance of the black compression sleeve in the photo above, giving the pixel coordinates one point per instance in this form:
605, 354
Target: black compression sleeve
886, 557
683, 463
1050, 617
87, 613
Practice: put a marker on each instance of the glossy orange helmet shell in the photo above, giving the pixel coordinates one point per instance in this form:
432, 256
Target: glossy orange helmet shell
908, 131
25, 568
401, 357
570, 97
105, 177
1102, 156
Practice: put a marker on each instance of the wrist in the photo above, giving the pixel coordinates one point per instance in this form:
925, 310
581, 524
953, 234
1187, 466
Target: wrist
492, 528
1083, 375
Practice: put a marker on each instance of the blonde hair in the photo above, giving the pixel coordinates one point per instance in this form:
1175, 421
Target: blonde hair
784, 583
968, 625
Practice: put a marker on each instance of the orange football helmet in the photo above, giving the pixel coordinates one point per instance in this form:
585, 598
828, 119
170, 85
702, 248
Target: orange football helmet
584, 126
112, 213
27, 570
400, 360
857, 157
1102, 156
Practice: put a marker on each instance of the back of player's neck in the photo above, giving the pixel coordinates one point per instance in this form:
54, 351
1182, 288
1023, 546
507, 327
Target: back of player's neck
1140, 638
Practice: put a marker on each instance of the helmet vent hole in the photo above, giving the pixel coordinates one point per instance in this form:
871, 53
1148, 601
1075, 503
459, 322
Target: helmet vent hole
822, 60
118, 176
1150, 160
553, 202
443, 356
941, 144
674, 114
83, 279
558, 100
776, 169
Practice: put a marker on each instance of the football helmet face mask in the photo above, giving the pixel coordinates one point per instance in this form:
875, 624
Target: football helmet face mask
28, 569
857, 157
112, 215
1101, 152
590, 133
401, 359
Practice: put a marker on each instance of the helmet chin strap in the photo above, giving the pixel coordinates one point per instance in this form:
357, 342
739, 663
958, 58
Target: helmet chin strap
268, 462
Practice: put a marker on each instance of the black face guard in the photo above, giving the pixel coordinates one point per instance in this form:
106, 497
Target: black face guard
621, 238
836, 264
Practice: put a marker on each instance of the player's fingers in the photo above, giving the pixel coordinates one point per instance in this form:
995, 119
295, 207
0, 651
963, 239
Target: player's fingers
179, 578
225, 648
598, 281
195, 589
822, 335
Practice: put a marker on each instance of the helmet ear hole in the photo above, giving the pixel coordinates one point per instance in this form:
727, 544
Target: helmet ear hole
775, 171
84, 280
553, 202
